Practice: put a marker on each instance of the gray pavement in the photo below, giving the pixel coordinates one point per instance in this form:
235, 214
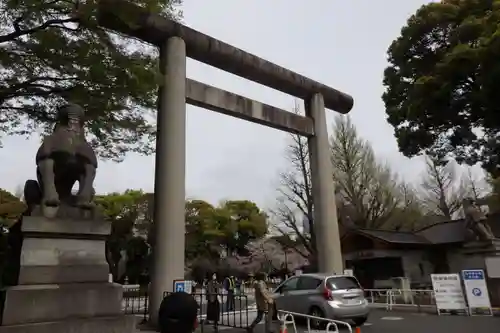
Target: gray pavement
407, 322
381, 321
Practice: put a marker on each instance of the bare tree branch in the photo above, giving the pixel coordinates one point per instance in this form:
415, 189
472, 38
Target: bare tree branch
442, 189
475, 183
370, 189
294, 203
368, 194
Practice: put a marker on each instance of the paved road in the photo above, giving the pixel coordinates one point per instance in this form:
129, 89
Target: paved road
398, 322
394, 322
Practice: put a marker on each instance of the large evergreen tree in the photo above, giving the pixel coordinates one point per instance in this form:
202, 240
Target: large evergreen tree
443, 80
53, 52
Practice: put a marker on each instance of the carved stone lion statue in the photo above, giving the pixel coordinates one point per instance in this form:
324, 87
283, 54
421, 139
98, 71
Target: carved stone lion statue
64, 158
476, 221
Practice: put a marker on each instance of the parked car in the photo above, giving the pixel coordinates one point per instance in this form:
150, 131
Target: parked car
337, 297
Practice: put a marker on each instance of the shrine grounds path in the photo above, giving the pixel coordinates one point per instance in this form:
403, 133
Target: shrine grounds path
381, 321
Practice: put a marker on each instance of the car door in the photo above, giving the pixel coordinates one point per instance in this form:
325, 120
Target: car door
306, 290
285, 293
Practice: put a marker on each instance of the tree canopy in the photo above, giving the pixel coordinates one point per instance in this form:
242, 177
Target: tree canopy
11, 208
442, 82
211, 232
494, 199
231, 226
52, 52
242, 222
128, 214
202, 230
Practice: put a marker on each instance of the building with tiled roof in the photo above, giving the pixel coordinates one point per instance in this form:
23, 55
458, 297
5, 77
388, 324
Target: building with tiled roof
377, 256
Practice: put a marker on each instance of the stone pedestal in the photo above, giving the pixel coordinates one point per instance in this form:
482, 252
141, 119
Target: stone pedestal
62, 284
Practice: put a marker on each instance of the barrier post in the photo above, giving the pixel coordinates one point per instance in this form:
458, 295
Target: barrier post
419, 301
145, 314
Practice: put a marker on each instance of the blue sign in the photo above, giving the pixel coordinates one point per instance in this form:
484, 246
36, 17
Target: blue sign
179, 286
473, 275
477, 292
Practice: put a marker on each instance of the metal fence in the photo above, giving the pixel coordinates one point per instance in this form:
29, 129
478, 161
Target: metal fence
135, 302
331, 325
232, 312
400, 298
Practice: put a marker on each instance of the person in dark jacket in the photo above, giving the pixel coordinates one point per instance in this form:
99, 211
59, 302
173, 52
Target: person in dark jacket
213, 304
178, 313
230, 286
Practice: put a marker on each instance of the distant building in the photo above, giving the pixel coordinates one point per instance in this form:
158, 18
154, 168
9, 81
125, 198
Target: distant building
377, 256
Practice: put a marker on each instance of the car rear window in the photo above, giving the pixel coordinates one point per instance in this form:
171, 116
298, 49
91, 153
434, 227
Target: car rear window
342, 282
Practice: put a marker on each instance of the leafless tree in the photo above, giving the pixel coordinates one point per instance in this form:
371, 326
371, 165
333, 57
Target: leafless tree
294, 203
442, 189
476, 184
371, 189
408, 215
266, 254
368, 193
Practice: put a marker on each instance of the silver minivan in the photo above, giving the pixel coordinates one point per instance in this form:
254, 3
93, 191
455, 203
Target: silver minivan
337, 297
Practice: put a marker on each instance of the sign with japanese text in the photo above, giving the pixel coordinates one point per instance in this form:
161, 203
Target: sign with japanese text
448, 293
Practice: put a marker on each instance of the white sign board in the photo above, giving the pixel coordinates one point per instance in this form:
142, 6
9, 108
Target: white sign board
448, 292
477, 292
349, 272
298, 272
185, 286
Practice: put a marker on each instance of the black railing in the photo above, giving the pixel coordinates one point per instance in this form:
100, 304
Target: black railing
135, 302
229, 311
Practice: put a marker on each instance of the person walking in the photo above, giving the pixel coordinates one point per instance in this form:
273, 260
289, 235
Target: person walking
265, 304
229, 285
213, 303
238, 284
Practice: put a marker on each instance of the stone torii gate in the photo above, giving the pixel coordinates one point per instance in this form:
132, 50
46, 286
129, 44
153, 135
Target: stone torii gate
176, 42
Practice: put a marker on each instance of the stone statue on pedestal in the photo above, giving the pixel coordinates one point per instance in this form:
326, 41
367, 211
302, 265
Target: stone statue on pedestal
58, 247
476, 221
64, 158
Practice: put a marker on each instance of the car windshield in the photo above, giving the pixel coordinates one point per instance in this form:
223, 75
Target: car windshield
342, 282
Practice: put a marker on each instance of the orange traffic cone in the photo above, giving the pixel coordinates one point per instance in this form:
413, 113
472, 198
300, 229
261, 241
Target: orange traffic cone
357, 330
283, 329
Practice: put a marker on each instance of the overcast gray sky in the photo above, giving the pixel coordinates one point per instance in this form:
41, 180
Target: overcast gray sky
340, 43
